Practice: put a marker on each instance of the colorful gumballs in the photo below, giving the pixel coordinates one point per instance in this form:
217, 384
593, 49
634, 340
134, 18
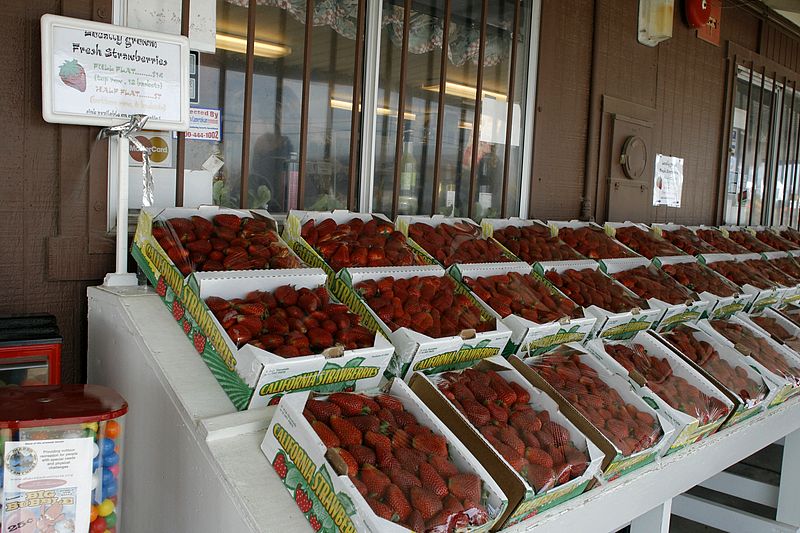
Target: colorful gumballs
114, 469
112, 429
111, 520
93, 514
110, 459
107, 445
98, 526
105, 508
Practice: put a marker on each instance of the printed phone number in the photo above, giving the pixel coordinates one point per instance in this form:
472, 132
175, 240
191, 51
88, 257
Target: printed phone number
203, 135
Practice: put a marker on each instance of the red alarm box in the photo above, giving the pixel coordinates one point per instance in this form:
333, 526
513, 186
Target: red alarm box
30, 350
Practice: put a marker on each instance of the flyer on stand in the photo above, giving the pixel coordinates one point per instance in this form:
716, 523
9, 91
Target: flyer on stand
47, 486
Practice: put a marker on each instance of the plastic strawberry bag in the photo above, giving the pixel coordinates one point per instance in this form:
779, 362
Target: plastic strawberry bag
699, 278
741, 274
686, 240
750, 343
525, 295
460, 242
648, 282
775, 241
745, 239
535, 243
401, 467
775, 275
290, 322
226, 242
715, 238
701, 352
645, 242
593, 243
429, 305
589, 287
675, 390
537, 448
357, 243
628, 428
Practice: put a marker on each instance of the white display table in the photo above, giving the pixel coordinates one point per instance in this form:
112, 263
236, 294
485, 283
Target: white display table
193, 464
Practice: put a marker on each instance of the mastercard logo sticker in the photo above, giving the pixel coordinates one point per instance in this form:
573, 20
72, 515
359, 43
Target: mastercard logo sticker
159, 149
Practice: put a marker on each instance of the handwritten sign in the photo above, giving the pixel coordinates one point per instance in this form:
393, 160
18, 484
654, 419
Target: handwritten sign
668, 181
101, 74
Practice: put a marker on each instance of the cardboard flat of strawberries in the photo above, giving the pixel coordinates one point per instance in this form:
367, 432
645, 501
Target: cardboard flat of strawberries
590, 240
766, 294
684, 238
525, 500
640, 239
317, 477
531, 241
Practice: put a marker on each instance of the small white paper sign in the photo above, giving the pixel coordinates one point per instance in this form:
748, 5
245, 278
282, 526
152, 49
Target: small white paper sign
668, 181
48, 485
100, 74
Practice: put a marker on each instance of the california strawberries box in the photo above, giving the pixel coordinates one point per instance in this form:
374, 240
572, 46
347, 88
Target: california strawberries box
282, 332
620, 313
746, 238
590, 240
683, 238
333, 240
434, 323
448, 240
529, 240
780, 326
669, 384
630, 433
539, 316
775, 362
378, 462
787, 264
517, 432
641, 240
679, 304
723, 296
772, 238
790, 234
718, 238
728, 369
751, 278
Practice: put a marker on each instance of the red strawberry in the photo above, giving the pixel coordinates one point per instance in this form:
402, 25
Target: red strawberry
451, 505
498, 411
508, 435
443, 465
322, 410
280, 465
430, 444
303, 502
187, 327
577, 460
348, 434
161, 287
476, 413
227, 220
404, 418
177, 310
404, 479
386, 460
351, 404
410, 459
381, 509
375, 480
542, 478
365, 423
73, 75
252, 308
431, 480
314, 523
397, 501
538, 456
199, 342
523, 396
360, 487
349, 460
465, 486
361, 454
562, 472
425, 501
389, 402
378, 441
415, 522
531, 440
483, 393
326, 434
508, 453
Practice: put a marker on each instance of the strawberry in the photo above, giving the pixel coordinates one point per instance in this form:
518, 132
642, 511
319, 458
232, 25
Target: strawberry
443, 466
538, 456
365, 423
326, 434
483, 393
252, 308
559, 432
161, 287
361, 454
562, 472
430, 444
199, 342
404, 479
476, 413
73, 75
389, 402
348, 434
577, 460
404, 418
351, 404
397, 501
177, 310
410, 459
523, 396
465, 486
415, 522
540, 477
280, 465
322, 410
302, 499
451, 505
375, 480
497, 411
514, 459
381, 509
378, 441
431, 480
349, 460
509, 436
314, 523
386, 460
360, 487
425, 501
228, 220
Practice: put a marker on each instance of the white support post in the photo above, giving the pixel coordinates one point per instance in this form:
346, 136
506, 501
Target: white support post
655, 520
788, 507
121, 278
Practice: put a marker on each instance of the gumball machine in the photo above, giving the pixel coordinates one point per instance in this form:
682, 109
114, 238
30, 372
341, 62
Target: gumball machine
61, 458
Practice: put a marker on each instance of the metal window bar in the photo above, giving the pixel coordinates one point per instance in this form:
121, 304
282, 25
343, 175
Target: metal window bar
437, 158
758, 144
355, 117
744, 145
476, 124
788, 148
310, 5
794, 174
180, 151
510, 118
401, 106
248, 103
770, 147
773, 181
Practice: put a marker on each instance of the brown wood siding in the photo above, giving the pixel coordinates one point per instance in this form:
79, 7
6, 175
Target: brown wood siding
683, 79
44, 189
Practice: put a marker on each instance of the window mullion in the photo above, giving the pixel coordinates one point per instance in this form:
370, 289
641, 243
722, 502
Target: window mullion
369, 114
248, 103
526, 139
476, 124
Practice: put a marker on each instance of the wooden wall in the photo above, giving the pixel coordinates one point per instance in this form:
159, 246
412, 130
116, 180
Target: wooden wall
45, 264
683, 79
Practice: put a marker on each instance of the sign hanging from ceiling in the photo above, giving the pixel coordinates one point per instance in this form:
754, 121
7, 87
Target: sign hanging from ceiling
668, 181
100, 74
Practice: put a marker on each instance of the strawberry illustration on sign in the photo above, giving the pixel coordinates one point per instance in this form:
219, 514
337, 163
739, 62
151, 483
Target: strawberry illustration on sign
73, 75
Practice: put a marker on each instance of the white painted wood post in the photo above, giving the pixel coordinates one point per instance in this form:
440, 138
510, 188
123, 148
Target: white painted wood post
789, 493
655, 520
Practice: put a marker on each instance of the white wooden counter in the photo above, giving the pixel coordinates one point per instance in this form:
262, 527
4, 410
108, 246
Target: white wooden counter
193, 464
